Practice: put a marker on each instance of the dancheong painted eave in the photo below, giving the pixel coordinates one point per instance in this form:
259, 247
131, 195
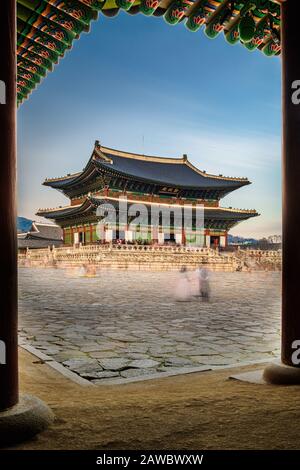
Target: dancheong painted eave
47, 28
162, 171
92, 203
228, 217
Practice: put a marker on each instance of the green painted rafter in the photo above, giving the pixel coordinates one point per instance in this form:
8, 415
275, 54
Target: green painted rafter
47, 28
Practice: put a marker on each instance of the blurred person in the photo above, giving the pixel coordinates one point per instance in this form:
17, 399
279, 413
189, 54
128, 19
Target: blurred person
90, 270
183, 289
198, 279
204, 284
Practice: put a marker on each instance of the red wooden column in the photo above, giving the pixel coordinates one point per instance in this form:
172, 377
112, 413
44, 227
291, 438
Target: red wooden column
183, 237
290, 18
8, 252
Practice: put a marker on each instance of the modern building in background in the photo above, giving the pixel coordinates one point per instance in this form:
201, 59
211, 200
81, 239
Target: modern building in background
111, 176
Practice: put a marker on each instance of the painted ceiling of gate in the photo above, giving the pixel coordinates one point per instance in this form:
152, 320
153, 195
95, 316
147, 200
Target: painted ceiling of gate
47, 28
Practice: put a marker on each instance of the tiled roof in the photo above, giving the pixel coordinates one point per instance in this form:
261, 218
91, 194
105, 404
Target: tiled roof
175, 172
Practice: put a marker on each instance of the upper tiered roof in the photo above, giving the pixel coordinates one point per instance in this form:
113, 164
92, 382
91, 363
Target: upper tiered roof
171, 172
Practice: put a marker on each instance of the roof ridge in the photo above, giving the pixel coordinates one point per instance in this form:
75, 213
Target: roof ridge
47, 224
139, 156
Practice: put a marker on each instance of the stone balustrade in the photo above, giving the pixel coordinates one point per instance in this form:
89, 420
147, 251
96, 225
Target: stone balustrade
260, 253
151, 257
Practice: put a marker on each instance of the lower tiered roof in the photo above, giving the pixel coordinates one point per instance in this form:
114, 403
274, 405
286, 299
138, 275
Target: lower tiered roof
228, 217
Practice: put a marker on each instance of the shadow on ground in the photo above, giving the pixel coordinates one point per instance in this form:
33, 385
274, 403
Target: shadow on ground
196, 411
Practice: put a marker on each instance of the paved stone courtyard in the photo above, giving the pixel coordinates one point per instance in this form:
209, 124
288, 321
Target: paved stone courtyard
125, 324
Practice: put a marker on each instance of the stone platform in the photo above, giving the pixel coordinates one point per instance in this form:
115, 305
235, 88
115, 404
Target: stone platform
152, 258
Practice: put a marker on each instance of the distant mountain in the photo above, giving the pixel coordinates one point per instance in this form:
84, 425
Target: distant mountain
23, 224
241, 240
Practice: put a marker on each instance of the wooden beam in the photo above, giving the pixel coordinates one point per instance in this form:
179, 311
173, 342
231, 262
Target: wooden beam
8, 252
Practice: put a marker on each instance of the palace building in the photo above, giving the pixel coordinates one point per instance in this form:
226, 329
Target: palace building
112, 176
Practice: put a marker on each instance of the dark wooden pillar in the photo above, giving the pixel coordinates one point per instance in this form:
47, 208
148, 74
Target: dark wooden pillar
8, 251
291, 180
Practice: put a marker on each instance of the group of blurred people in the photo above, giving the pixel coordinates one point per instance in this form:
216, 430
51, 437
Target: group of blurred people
189, 285
193, 284
85, 270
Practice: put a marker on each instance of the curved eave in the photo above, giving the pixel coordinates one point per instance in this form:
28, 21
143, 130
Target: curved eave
231, 214
68, 182
67, 211
59, 183
228, 218
47, 28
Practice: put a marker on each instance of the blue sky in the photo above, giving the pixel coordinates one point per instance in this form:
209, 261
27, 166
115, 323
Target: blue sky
138, 84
